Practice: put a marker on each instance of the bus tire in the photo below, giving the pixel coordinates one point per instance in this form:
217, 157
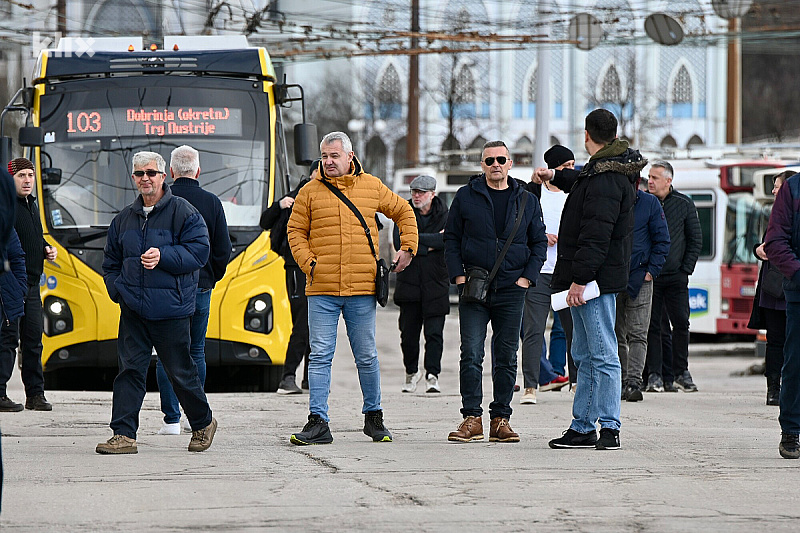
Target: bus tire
271, 377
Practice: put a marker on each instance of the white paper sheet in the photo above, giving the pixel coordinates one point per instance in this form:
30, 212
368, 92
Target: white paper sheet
559, 299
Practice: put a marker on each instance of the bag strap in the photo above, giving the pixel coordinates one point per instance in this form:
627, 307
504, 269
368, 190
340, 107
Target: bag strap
517, 222
355, 211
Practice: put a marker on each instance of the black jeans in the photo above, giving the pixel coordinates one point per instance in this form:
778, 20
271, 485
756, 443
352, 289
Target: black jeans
27, 330
171, 339
299, 346
670, 294
776, 338
411, 323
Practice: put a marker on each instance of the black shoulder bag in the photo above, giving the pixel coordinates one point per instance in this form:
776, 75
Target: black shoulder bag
476, 288
382, 272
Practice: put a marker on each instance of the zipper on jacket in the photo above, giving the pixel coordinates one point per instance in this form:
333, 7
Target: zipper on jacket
141, 278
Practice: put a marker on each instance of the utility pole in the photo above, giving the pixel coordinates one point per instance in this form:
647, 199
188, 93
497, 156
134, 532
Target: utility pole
734, 125
61, 17
542, 135
412, 135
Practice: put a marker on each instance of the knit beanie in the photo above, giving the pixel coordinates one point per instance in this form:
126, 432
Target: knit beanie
20, 163
557, 156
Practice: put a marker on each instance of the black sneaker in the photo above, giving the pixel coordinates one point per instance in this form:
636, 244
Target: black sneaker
632, 393
38, 403
573, 439
789, 446
7, 405
684, 381
304, 384
316, 431
654, 383
669, 386
609, 439
288, 386
373, 427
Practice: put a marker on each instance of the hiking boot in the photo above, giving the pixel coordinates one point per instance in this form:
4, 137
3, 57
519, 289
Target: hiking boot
609, 439
557, 384
202, 438
433, 383
500, 431
288, 386
38, 403
789, 446
573, 439
7, 405
373, 427
654, 383
118, 444
471, 428
632, 393
669, 386
411, 381
529, 396
316, 431
684, 381
773, 390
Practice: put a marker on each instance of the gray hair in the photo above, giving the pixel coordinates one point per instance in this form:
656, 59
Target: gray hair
660, 163
347, 144
184, 161
140, 159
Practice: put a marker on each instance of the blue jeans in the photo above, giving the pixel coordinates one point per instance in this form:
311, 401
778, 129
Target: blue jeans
790, 375
594, 349
504, 310
558, 347
197, 349
359, 318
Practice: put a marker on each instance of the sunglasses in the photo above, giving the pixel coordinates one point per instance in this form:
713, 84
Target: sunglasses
150, 173
500, 160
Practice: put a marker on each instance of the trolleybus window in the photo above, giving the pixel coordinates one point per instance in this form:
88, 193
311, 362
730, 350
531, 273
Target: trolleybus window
743, 223
704, 202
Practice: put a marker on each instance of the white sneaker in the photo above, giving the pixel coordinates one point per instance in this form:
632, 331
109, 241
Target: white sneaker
185, 425
433, 383
170, 429
411, 381
529, 396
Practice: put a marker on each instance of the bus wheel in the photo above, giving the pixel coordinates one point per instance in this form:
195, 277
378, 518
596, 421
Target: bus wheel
271, 377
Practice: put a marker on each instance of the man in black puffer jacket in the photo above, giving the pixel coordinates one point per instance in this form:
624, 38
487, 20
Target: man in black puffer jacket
671, 287
594, 243
423, 288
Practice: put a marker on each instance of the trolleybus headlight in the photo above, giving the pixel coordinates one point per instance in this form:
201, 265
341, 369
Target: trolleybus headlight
57, 316
258, 315
724, 306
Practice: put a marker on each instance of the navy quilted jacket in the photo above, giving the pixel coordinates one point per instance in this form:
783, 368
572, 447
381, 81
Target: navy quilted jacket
14, 283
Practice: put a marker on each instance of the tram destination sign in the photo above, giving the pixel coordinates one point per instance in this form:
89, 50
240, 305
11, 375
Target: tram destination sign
169, 121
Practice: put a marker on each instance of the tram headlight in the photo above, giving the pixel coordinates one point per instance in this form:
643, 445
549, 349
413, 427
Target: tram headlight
57, 316
258, 314
725, 305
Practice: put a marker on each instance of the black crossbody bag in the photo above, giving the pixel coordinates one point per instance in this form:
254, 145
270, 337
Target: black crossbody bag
382, 272
476, 288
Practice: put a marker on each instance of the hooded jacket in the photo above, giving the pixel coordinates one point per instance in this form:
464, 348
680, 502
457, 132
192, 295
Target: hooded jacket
782, 242
14, 282
470, 238
178, 230
425, 279
686, 237
650, 241
328, 241
596, 232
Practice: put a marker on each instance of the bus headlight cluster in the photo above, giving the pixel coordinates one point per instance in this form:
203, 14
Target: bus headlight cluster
57, 316
258, 315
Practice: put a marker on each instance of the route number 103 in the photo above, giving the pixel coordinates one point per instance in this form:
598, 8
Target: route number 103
84, 122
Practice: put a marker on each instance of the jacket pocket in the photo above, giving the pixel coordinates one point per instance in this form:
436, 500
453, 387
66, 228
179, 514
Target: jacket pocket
311, 275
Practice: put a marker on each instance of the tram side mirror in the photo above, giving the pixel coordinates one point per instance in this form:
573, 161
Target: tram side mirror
31, 136
306, 148
51, 176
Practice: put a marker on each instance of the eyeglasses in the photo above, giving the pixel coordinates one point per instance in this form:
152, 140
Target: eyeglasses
150, 173
418, 191
501, 159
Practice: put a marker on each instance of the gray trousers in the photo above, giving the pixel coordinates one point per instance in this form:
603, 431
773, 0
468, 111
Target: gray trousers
633, 321
534, 321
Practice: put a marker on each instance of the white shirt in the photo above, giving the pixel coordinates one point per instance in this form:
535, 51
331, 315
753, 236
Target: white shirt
552, 206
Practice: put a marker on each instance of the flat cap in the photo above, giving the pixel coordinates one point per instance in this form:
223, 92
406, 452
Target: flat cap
423, 183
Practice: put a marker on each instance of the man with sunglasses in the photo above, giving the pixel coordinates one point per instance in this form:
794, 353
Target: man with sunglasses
594, 243
154, 252
482, 219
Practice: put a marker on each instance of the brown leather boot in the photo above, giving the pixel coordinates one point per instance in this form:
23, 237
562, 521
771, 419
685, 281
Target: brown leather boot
470, 429
500, 431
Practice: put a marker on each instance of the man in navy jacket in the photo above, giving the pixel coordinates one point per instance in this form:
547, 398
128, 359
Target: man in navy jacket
13, 289
184, 165
650, 249
480, 222
154, 251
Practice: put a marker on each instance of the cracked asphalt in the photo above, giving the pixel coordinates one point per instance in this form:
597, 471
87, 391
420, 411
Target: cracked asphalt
705, 461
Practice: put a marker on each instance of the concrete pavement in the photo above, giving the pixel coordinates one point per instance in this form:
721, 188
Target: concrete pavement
706, 461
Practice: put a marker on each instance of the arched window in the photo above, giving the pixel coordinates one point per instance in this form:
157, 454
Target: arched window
533, 87
400, 160
669, 142
390, 94
464, 93
475, 148
611, 89
374, 160
682, 94
695, 141
123, 17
